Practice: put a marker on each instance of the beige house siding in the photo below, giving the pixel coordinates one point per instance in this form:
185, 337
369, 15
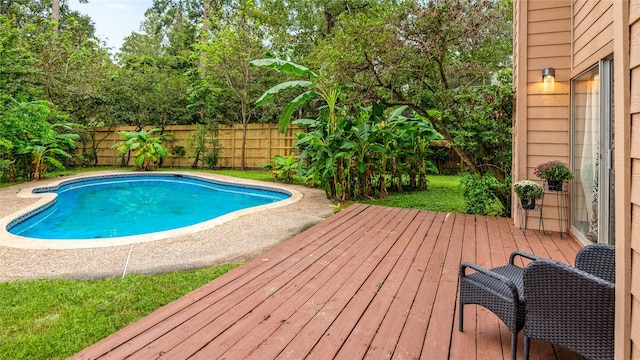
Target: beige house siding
541, 127
628, 213
592, 32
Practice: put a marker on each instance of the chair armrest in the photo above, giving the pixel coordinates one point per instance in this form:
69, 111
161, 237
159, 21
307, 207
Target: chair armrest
487, 272
524, 255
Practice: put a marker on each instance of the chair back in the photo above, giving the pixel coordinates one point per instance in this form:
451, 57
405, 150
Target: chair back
569, 307
599, 260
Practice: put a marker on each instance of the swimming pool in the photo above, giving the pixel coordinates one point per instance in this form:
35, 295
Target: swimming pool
121, 206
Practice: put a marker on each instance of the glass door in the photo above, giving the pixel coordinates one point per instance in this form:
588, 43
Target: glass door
592, 207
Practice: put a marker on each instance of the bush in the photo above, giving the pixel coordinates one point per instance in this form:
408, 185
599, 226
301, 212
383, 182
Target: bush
482, 194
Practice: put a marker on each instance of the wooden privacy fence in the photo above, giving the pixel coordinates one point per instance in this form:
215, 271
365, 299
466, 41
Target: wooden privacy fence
263, 142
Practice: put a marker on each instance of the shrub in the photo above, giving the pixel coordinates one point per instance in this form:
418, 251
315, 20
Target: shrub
148, 149
481, 194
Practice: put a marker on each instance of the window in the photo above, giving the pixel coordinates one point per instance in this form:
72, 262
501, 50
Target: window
592, 208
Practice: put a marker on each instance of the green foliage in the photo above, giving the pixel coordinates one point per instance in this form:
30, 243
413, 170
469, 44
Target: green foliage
30, 139
295, 69
54, 319
147, 149
458, 53
17, 74
204, 146
5, 152
285, 66
366, 153
148, 91
481, 195
44, 151
284, 169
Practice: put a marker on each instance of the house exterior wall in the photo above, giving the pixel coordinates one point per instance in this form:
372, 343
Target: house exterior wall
542, 38
592, 36
594, 29
628, 168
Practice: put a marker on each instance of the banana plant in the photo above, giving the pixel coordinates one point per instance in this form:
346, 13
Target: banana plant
44, 152
147, 148
330, 96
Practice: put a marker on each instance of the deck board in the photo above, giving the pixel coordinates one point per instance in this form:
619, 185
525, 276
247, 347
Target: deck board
370, 282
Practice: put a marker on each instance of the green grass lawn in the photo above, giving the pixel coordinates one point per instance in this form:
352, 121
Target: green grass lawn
444, 194
54, 319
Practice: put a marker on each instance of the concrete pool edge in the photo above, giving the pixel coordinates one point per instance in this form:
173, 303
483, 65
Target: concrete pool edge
13, 241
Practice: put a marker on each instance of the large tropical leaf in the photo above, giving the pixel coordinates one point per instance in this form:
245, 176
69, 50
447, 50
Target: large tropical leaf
60, 152
284, 66
311, 123
285, 85
285, 117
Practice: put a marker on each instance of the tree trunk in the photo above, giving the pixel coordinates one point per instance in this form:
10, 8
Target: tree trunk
244, 132
55, 15
206, 18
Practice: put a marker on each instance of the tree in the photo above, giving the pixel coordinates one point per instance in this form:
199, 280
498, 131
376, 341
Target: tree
29, 136
430, 56
299, 25
18, 75
235, 42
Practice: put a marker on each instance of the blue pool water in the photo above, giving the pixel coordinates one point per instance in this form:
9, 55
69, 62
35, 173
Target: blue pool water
133, 205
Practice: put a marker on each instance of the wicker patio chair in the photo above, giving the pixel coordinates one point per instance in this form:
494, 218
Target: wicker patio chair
499, 290
573, 307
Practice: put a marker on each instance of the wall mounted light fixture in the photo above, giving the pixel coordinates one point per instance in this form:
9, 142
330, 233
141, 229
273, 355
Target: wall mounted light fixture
548, 75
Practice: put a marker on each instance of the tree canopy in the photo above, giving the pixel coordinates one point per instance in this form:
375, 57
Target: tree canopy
446, 62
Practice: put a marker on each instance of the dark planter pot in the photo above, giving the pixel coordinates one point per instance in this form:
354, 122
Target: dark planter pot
554, 185
528, 204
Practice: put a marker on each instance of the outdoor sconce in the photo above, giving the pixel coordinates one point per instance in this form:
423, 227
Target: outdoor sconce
548, 75
548, 78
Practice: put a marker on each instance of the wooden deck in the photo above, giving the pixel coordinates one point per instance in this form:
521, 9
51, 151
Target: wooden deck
370, 282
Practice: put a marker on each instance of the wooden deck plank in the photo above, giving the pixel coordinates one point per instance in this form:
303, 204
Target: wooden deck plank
464, 344
370, 282
372, 301
412, 338
131, 335
387, 300
488, 324
386, 338
347, 305
274, 345
178, 341
438, 340
274, 319
240, 340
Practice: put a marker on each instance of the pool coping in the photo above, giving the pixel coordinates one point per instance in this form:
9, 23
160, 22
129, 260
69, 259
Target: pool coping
45, 199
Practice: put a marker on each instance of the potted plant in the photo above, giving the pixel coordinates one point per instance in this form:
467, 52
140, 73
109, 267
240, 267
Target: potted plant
555, 173
528, 192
